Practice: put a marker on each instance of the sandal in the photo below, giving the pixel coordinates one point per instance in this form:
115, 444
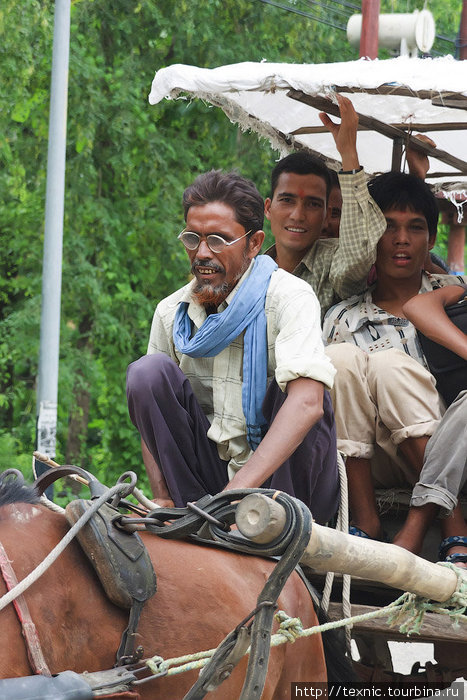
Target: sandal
358, 532
456, 557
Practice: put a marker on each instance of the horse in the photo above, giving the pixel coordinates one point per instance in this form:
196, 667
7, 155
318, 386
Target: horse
202, 594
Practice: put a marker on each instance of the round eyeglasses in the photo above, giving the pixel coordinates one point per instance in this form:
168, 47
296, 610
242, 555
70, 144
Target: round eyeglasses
216, 243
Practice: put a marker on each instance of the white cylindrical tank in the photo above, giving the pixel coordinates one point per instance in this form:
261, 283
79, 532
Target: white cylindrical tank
416, 30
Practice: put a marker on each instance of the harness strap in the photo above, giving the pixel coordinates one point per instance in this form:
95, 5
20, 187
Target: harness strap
28, 628
52, 474
126, 652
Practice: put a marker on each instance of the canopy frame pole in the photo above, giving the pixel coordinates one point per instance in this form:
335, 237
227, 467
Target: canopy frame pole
397, 148
392, 132
370, 29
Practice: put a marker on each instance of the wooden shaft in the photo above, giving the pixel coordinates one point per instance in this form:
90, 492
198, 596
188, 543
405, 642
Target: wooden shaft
331, 550
47, 460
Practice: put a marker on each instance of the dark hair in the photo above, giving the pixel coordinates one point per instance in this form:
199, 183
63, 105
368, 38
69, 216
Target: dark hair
334, 179
404, 192
232, 189
301, 163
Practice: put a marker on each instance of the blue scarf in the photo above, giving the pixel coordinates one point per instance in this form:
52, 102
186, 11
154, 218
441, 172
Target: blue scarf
245, 312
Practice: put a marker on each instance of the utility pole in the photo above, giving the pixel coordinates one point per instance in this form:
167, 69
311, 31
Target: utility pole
53, 235
370, 27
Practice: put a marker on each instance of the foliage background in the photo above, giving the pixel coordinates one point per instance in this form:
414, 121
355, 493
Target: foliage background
127, 166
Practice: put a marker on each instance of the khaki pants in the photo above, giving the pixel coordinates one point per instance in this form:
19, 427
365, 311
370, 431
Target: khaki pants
380, 400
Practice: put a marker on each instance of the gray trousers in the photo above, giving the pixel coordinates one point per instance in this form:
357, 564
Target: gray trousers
444, 470
166, 412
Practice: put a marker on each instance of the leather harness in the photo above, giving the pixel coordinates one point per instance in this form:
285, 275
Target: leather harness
28, 628
118, 557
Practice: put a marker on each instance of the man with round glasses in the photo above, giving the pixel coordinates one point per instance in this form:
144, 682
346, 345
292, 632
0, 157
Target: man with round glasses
233, 392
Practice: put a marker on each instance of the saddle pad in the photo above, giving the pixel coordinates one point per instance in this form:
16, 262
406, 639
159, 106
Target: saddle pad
119, 558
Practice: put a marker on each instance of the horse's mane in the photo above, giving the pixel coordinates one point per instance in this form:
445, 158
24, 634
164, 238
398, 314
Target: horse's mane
16, 491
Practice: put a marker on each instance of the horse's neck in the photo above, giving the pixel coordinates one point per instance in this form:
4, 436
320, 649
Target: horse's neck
67, 590
29, 533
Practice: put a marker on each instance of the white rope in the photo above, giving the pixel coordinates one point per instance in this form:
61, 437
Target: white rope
58, 549
54, 507
343, 526
144, 500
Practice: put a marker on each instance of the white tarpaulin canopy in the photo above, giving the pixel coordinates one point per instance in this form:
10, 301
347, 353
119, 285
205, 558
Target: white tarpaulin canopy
394, 98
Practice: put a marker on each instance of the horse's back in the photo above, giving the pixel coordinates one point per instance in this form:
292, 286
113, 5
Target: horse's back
202, 594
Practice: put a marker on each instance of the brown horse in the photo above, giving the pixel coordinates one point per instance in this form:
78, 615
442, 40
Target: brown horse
202, 594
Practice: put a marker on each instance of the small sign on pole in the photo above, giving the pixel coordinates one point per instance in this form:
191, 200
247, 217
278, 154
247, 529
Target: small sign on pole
47, 428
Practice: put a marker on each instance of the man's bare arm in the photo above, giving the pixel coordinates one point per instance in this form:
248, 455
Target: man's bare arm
417, 161
362, 222
302, 408
156, 479
426, 312
345, 133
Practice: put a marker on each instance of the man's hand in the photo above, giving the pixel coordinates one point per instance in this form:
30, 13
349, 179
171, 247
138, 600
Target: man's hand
417, 161
345, 133
164, 502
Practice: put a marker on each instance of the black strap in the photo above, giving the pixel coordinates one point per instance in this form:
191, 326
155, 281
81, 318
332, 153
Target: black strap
126, 653
291, 546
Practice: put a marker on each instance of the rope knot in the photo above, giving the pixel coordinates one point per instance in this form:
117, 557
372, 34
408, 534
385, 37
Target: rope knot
289, 627
157, 664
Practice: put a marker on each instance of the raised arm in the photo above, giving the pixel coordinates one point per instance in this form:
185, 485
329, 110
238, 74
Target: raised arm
417, 160
419, 165
345, 133
362, 222
426, 312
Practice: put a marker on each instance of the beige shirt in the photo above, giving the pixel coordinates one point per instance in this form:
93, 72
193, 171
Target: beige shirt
337, 268
295, 349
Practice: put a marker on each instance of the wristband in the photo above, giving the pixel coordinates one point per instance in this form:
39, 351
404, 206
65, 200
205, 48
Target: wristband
351, 172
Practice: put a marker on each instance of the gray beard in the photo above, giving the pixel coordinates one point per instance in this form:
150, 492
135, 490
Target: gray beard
209, 295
